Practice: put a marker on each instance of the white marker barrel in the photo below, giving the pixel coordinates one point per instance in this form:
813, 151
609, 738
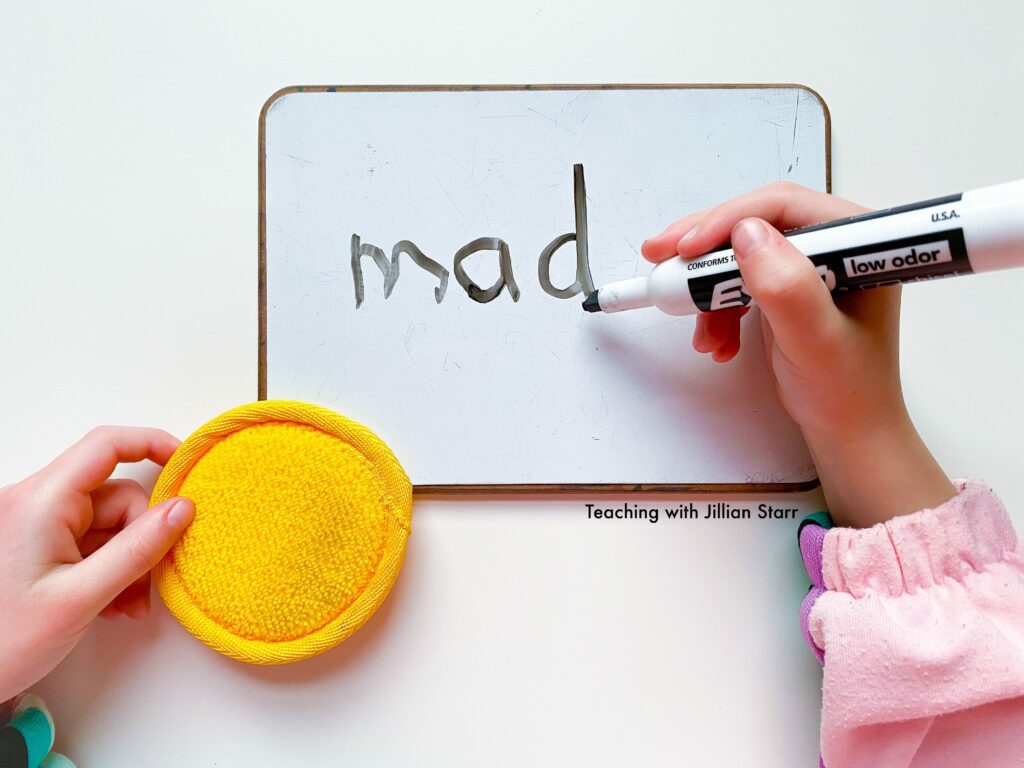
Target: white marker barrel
977, 231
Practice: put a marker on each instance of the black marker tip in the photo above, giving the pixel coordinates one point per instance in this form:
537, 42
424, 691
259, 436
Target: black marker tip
591, 304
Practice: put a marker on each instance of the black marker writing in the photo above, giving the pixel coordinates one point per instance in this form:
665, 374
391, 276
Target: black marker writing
390, 269
584, 283
544, 269
420, 260
474, 291
365, 249
579, 196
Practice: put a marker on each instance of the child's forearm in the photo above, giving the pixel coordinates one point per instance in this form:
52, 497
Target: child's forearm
871, 477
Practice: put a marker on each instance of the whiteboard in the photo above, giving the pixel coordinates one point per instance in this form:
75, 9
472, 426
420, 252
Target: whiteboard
521, 388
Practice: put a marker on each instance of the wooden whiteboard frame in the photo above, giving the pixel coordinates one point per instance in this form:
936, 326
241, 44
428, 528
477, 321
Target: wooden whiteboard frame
518, 488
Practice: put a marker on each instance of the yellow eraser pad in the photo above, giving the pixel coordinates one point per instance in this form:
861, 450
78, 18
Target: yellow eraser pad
301, 524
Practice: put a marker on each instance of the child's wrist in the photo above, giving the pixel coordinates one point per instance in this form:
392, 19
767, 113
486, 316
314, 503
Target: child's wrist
860, 438
870, 475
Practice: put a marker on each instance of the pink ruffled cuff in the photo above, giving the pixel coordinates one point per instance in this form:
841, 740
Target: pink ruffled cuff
921, 624
913, 552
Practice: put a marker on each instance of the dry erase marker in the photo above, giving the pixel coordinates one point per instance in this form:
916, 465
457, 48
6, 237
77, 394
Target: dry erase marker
976, 231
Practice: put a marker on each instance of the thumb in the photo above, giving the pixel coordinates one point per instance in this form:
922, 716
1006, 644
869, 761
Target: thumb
787, 287
132, 553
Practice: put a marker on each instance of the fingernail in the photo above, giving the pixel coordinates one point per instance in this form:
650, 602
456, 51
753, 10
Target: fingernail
748, 236
689, 235
180, 514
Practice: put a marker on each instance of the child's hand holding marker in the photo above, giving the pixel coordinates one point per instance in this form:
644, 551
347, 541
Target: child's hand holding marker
835, 361
75, 544
918, 616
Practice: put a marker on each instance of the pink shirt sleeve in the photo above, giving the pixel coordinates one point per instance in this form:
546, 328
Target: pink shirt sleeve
921, 621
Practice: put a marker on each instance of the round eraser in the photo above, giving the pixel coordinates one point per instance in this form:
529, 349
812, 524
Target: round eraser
302, 518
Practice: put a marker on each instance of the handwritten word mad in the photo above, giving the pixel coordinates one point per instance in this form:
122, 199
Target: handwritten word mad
584, 283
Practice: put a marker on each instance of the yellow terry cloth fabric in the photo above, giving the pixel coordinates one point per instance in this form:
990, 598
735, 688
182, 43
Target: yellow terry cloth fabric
302, 518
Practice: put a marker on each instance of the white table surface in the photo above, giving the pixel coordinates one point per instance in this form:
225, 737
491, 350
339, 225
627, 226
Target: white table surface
520, 633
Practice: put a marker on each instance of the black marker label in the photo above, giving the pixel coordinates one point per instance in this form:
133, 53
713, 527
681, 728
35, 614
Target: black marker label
933, 203
920, 257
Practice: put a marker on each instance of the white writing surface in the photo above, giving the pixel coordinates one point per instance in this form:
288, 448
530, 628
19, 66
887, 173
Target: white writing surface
428, 251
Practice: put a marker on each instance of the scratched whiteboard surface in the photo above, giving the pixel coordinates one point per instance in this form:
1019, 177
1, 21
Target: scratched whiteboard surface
532, 391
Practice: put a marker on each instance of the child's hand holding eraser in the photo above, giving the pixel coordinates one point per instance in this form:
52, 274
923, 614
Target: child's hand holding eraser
75, 544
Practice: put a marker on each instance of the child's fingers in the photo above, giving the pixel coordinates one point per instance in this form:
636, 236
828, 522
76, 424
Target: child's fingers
116, 503
133, 601
768, 341
768, 344
128, 556
699, 335
663, 246
728, 350
730, 334
85, 465
786, 286
782, 204
717, 328
878, 308
94, 539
